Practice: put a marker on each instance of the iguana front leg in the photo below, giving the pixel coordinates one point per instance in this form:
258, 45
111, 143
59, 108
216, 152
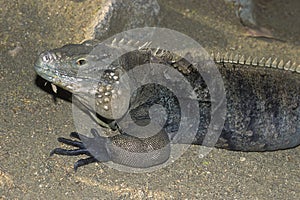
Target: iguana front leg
122, 149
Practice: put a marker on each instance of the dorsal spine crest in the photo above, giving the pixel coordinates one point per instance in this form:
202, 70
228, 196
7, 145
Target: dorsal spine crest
260, 62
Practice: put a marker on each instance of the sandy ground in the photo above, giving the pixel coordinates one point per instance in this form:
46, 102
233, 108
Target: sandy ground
31, 120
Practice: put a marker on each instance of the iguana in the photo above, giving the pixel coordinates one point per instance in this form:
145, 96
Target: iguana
263, 103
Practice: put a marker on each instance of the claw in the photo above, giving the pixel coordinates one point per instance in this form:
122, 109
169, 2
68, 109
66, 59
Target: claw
83, 162
72, 152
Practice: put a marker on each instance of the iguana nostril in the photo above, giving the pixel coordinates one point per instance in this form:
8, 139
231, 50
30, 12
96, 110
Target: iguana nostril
46, 57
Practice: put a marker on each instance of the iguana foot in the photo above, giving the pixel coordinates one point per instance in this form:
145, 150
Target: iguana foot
74, 152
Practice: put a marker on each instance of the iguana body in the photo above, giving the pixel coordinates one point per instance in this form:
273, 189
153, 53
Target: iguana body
263, 104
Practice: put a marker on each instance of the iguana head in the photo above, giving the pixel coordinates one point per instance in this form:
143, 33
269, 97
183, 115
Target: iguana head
91, 78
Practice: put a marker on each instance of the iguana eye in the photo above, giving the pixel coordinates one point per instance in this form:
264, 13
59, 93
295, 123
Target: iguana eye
81, 61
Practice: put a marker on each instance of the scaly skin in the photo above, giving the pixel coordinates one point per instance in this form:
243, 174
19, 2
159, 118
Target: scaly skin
263, 104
